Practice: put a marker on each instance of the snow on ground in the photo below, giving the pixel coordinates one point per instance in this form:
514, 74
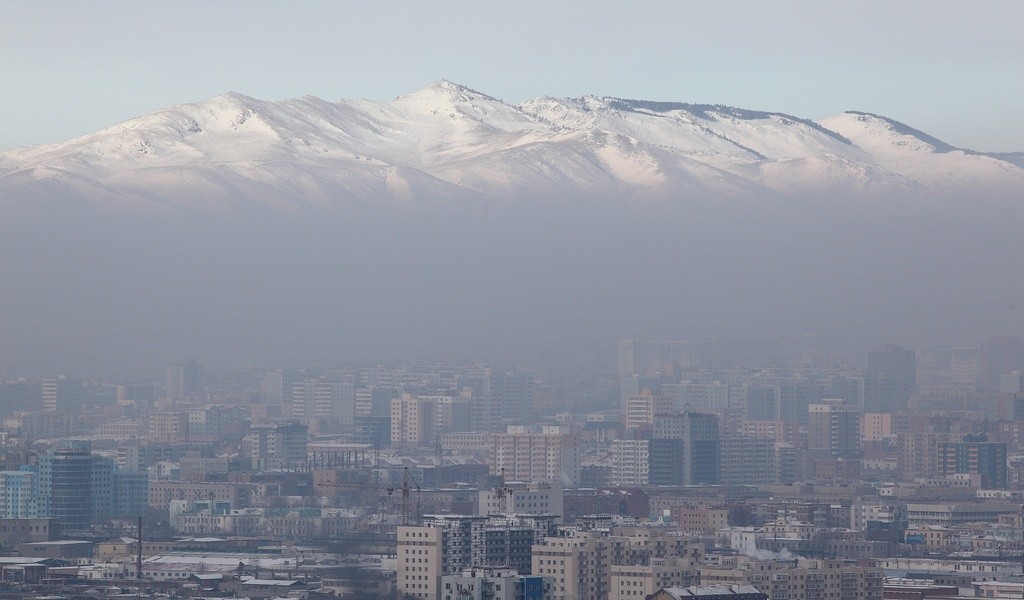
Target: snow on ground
451, 140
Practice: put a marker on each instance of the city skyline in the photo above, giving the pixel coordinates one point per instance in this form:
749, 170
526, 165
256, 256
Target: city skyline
512, 301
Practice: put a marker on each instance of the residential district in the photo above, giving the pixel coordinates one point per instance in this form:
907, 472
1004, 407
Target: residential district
721, 469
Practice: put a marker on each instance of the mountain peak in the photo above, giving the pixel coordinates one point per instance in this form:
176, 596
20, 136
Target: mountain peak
230, 101
872, 131
903, 129
449, 89
236, 96
448, 84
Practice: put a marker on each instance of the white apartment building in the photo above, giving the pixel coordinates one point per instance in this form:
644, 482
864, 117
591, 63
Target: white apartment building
535, 457
630, 462
543, 498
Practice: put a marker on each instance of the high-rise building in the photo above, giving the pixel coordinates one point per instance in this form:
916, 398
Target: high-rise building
604, 564
131, 493
276, 389
965, 365
665, 461
447, 544
641, 408
643, 579
748, 461
61, 394
999, 355
535, 457
413, 421
76, 487
328, 405
421, 420
700, 438
666, 357
184, 380
451, 413
280, 445
513, 393
168, 427
795, 395
1011, 394
627, 358
974, 454
712, 397
630, 462
763, 402
522, 499
421, 561
48, 393
1012, 383
579, 566
849, 388
629, 385
890, 379
882, 516
375, 431
833, 429
19, 494
919, 453
875, 426
485, 412
141, 396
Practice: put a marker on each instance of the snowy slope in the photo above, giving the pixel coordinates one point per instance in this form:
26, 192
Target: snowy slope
922, 158
447, 141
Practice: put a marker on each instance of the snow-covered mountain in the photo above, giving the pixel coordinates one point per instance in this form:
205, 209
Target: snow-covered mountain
448, 142
448, 222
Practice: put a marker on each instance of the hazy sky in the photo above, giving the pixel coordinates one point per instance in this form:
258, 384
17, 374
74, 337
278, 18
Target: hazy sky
952, 69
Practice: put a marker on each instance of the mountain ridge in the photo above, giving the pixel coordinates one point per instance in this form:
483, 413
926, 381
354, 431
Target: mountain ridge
478, 145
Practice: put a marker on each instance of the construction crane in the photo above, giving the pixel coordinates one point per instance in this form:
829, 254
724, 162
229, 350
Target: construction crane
504, 492
407, 488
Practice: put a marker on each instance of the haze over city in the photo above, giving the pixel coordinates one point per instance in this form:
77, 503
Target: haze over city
512, 301
519, 262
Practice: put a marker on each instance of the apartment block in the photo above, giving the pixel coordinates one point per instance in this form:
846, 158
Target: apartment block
535, 457
413, 421
522, 499
578, 566
161, 493
748, 461
168, 427
919, 453
447, 544
974, 454
616, 564
806, 579
699, 520
698, 454
636, 582
493, 583
281, 445
630, 462
326, 405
